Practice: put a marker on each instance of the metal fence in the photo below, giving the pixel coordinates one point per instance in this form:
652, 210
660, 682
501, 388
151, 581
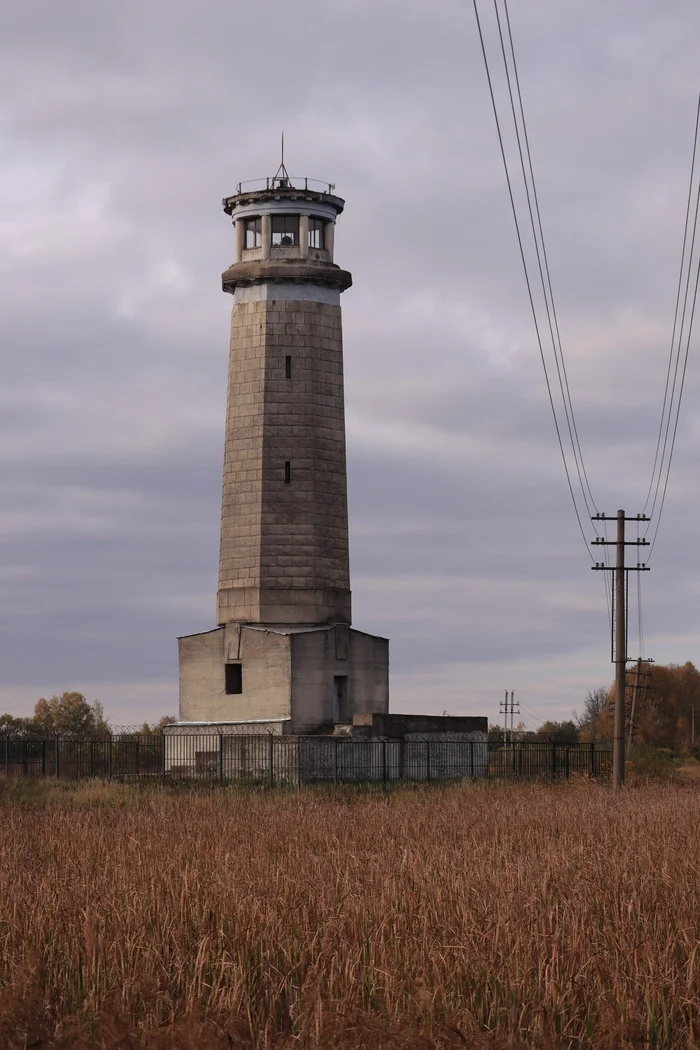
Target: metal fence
278, 760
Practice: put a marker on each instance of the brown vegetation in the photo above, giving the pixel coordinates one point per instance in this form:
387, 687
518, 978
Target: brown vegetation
481, 916
666, 698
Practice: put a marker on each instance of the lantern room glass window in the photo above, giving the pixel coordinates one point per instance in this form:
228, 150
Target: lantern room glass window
316, 233
253, 232
285, 229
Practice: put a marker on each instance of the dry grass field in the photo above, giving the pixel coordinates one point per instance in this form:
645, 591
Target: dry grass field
478, 916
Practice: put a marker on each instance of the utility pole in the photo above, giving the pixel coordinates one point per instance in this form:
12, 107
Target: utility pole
634, 711
620, 655
620, 628
508, 705
504, 711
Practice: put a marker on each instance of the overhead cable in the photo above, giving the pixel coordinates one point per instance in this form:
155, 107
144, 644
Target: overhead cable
527, 275
675, 314
672, 403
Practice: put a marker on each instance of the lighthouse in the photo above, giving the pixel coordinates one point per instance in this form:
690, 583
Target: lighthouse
283, 653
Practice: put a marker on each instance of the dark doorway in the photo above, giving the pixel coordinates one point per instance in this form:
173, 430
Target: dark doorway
341, 707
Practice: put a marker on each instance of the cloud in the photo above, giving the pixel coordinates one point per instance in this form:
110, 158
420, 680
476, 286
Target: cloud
121, 127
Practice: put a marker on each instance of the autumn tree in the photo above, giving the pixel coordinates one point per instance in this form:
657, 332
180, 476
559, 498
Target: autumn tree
558, 732
666, 698
11, 725
70, 713
589, 724
157, 728
665, 705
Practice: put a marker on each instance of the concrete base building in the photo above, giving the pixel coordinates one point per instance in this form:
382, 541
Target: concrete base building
283, 651
294, 679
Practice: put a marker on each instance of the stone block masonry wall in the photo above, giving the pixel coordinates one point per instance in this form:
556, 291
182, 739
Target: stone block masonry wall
239, 559
284, 540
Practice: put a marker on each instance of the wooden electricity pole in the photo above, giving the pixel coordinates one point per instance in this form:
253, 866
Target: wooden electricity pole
619, 626
620, 655
634, 711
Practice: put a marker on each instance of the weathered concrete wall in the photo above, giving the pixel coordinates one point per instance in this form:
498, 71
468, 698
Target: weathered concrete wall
227, 750
369, 672
418, 727
286, 673
334, 759
275, 759
266, 675
319, 656
284, 545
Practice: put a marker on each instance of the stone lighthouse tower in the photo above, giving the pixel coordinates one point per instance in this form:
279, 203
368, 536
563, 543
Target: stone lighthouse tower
283, 652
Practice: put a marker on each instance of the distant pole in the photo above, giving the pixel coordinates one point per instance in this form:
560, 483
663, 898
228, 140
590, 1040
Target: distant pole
619, 627
620, 656
635, 696
504, 710
505, 727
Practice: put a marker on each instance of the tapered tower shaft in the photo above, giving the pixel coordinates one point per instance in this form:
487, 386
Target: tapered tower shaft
284, 523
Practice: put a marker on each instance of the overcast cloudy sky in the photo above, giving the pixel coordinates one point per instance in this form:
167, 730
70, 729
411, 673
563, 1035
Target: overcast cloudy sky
121, 128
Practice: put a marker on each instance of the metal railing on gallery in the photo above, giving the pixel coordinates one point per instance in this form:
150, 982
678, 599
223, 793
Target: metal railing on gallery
276, 760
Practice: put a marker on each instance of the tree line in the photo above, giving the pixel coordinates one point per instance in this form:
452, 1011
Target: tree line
666, 711
69, 714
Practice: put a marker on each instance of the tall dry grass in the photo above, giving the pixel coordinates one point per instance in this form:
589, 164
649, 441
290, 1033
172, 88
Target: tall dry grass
481, 916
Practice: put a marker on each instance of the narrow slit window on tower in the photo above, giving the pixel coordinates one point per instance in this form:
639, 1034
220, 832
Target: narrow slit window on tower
285, 229
287, 472
316, 233
288, 367
253, 232
234, 678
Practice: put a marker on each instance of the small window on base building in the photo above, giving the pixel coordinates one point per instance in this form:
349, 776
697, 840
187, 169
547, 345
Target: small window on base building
234, 678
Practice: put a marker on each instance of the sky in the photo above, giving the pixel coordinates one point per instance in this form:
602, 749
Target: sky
121, 128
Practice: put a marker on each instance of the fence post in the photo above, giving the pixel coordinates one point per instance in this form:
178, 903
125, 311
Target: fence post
335, 762
591, 758
24, 757
138, 757
271, 757
221, 757
109, 756
163, 753
471, 758
384, 763
427, 758
43, 758
57, 741
554, 761
566, 762
520, 761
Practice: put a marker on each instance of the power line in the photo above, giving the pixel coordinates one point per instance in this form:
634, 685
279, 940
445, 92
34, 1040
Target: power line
527, 276
675, 314
678, 407
553, 319
680, 346
553, 327
640, 622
